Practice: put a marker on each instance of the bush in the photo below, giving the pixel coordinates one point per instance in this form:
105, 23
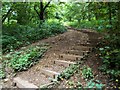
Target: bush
110, 54
15, 36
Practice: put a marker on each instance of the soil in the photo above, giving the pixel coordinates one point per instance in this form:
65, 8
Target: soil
58, 45
92, 61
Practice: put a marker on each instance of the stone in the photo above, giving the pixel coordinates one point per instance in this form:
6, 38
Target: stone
5, 80
24, 84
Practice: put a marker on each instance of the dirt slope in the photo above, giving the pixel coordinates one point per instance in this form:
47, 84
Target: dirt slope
59, 44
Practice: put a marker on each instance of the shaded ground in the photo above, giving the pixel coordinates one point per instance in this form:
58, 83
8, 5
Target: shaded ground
93, 62
59, 44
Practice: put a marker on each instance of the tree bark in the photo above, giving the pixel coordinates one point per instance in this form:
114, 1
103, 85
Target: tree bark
42, 9
41, 16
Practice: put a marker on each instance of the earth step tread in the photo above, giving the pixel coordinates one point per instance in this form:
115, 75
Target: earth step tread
46, 85
84, 44
63, 62
83, 48
24, 84
56, 68
76, 52
50, 73
70, 57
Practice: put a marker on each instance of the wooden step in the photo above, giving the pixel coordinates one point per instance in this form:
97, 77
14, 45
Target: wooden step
50, 73
84, 44
70, 57
82, 48
24, 84
64, 63
75, 52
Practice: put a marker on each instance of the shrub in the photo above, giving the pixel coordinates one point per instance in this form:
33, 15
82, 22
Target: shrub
15, 36
110, 55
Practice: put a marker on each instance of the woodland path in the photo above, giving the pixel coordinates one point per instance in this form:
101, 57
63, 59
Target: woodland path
69, 46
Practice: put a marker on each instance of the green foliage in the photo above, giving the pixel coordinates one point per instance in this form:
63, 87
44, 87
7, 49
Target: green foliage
94, 84
24, 60
2, 74
99, 16
87, 72
73, 84
56, 27
68, 72
110, 54
15, 36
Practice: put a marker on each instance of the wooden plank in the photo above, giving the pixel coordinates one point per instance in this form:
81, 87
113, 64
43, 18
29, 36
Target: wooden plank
46, 85
82, 48
64, 63
50, 73
70, 57
84, 44
75, 52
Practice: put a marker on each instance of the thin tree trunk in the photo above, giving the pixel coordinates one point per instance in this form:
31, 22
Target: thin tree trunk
118, 15
5, 16
110, 14
41, 10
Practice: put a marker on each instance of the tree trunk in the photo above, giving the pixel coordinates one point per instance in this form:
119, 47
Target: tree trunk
110, 14
42, 9
5, 16
118, 16
89, 12
41, 16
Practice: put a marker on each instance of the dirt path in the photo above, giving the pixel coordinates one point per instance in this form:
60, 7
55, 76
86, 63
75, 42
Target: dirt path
59, 45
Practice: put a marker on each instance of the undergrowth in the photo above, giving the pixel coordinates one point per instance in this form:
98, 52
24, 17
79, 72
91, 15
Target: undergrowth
22, 60
2, 74
15, 35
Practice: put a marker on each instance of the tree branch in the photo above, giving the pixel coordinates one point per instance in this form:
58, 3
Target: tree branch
9, 11
5, 16
36, 10
46, 5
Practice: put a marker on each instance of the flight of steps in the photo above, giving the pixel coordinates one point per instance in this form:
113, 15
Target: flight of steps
70, 56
